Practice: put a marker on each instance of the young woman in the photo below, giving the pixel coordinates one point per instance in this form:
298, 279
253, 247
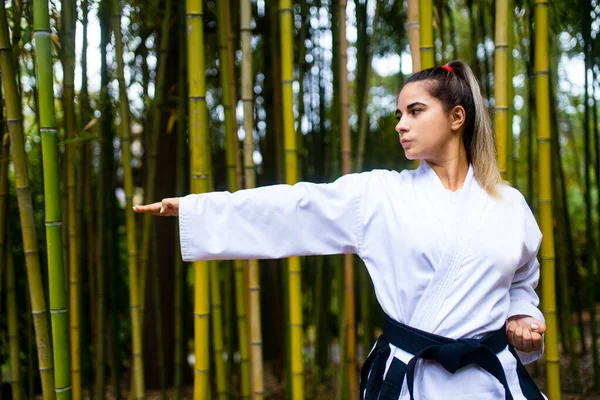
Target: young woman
451, 248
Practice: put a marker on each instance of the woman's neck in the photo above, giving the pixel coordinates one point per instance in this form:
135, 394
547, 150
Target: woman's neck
452, 172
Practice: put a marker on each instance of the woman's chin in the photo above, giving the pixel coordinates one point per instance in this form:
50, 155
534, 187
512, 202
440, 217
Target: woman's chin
411, 155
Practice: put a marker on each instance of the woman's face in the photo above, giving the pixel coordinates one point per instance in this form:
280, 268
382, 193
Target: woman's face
426, 130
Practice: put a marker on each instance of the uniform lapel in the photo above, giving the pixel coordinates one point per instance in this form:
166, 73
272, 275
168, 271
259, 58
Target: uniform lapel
457, 227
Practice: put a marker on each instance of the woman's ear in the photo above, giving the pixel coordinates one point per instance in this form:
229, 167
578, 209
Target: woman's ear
458, 117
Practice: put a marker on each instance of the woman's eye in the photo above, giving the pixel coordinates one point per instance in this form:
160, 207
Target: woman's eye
398, 118
415, 112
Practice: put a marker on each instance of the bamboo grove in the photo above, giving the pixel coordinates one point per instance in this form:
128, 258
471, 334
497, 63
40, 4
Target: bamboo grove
111, 103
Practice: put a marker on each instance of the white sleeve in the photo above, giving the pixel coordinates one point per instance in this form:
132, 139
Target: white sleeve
523, 298
273, 221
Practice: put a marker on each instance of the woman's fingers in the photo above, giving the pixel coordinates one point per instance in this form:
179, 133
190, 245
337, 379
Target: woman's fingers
153, 208
538, 327
510, 333
537, 341
165, 208
527, 341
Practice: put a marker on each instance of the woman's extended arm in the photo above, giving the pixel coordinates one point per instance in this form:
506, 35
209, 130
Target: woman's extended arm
269, 222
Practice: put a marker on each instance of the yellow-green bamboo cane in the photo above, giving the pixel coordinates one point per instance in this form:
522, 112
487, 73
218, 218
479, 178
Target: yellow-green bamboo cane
233, 181
413, 34
13, 332
364, 118
346, 150
250, 179
125, 141
545, 196
179, 188
36, 292
510, 142
58, 295
291, 177
426, 34
199, 184
231, 150
500, 84
216, 314
68, 63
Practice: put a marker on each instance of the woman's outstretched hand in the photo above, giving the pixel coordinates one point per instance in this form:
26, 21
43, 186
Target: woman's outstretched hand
164, 208
525, 333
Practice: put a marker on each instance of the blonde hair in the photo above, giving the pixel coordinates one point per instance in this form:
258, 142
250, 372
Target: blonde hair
455, 84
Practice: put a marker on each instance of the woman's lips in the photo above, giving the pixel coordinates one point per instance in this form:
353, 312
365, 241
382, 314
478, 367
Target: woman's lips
404, 142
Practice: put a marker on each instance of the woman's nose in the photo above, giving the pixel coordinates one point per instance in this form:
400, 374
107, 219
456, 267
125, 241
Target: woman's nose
401, 126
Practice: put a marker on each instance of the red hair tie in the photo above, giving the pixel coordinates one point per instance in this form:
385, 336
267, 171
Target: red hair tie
447, 68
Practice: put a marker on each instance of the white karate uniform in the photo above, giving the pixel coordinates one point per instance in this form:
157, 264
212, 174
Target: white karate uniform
457, 264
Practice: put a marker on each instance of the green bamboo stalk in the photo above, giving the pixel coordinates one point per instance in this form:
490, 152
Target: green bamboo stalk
217, 326
57, 290
228, 85
160, 351
346, 150
501, 84
291, 173
427, 51
68, 11
125, 139
510, 70
13, 332
199, 184
242, 325
545, 196
256, 358
179, 191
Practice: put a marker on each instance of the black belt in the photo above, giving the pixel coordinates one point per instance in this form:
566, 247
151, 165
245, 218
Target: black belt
452, 354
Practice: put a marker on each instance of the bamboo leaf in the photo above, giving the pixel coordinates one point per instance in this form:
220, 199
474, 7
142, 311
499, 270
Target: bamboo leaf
90, 124
171, 123
81, 139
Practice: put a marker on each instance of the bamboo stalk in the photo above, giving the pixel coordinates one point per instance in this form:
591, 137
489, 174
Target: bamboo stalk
217, 326
256, 360
510, 68
228, 88
107, 337
346, 150
501, 84
563, 229
413, 33
199, 184
291, 175
545, 196
233, 180
58, 298
362, 107
13, 332
125, 141
179, 189
68, 62
426, 48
